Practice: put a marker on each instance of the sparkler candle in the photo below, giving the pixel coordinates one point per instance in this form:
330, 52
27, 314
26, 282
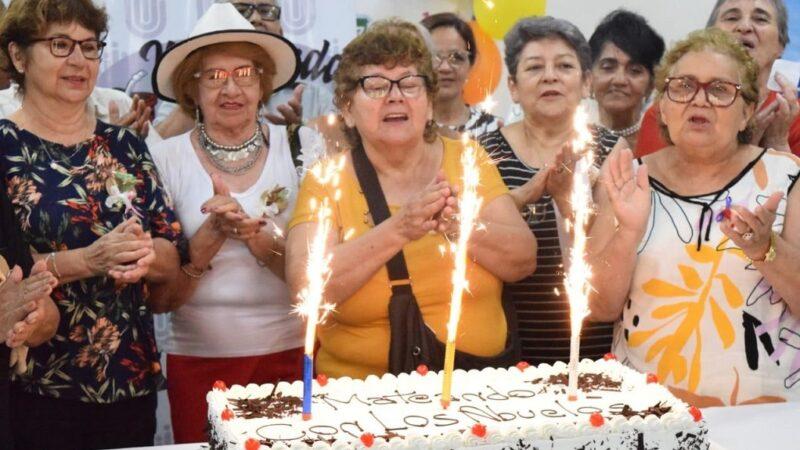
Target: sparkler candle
312, 303
469, 206
579, 273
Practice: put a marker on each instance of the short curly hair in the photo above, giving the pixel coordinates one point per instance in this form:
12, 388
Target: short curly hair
28, 19
719, 42
390, 43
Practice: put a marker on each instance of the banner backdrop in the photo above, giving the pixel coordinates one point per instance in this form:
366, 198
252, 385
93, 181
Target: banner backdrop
142, 30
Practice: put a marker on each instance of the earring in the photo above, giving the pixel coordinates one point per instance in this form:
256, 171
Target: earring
198, 116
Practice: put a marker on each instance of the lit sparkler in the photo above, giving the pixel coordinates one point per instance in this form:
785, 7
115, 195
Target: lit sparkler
579, 273
469, 206
312, 303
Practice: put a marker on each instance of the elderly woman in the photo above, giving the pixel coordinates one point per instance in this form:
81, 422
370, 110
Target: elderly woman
455, 53
625, 50
385, 88
700, 260
87, 198
234, 182
762, 27
548, 63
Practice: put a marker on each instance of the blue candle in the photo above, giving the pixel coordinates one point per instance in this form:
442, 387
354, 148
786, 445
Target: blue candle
308, 371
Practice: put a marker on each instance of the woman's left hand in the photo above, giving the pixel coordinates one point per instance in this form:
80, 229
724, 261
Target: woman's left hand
447, 221
132, 273
780, 116
752, 230
559, 180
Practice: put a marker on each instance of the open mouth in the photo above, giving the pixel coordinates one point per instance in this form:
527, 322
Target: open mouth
550, 94
75, 79
395, 118
698, 120
748, 44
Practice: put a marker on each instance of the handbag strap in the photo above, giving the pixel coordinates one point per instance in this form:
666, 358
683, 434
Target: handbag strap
379, 209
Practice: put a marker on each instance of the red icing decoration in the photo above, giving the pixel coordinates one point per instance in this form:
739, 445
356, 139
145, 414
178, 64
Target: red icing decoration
652, 378
696, 413
522, 365
609, 356
422, 369
367, 439
219, 384
322, 379
227, 414
252, 444
479, 430
597, 420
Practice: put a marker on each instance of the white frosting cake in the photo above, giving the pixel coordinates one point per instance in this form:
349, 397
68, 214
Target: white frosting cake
515, 408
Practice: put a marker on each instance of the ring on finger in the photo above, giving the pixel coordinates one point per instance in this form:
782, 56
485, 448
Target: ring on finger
235, 230
747, 236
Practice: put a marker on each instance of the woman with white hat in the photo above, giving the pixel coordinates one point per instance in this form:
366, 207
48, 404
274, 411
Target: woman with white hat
234, 182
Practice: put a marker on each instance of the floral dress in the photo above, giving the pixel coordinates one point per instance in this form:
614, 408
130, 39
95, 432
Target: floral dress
66, 197
699, 315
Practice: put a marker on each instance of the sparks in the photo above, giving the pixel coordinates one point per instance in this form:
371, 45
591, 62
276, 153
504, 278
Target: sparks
579, 273
311, 298
469, 206
488, 104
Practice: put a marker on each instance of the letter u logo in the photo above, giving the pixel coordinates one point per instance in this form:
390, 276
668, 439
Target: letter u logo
146, 18
298, 16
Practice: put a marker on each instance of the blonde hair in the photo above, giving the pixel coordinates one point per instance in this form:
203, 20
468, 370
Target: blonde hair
720, 42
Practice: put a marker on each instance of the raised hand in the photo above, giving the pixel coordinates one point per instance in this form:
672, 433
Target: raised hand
628, 190
419, 215
291, 112
772, 124
227, 214
137, 119
752, 230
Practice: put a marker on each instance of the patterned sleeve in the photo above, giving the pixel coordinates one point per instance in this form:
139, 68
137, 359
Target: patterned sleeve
157, 207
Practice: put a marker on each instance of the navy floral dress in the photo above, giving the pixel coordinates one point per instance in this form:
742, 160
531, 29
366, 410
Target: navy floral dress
66, 197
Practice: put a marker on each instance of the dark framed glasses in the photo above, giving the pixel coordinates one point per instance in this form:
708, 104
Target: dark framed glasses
718, 92
216, 78
267, 12
62, 46
455, 58
377, 86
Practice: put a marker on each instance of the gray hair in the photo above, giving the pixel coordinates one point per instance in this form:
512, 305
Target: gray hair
780, 10
531, 29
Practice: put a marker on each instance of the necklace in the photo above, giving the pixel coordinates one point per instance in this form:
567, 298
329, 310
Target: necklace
625, 132
243, 156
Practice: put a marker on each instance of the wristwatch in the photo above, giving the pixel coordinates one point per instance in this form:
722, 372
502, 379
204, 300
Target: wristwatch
770, 255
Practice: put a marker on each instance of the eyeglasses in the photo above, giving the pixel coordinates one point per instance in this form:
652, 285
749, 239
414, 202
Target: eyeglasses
62, 46
377, 86
216, 78
718, 92
456, 58
267, 12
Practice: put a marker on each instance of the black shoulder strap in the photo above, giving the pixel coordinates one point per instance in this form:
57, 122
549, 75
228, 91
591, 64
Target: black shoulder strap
295, 146
379, 210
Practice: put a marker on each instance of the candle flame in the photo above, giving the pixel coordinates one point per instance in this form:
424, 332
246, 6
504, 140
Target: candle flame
312, 303
469, 207
579, 273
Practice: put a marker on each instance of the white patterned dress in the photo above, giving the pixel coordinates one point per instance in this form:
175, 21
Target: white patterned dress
699, 315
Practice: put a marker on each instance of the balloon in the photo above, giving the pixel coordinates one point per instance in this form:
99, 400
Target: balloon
487, 70
498, 16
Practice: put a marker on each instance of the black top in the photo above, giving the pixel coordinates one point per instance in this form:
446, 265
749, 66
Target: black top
15, 252
540, 299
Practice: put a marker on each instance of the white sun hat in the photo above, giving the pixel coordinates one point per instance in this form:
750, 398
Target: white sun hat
223, 23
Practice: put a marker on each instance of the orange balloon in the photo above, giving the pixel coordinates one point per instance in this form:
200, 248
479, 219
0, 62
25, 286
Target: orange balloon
487, 70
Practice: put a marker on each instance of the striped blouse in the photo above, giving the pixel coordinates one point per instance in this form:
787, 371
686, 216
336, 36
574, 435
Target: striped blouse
540, 299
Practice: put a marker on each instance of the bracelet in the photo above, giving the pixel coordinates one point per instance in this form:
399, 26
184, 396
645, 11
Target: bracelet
192, 271
52, 258
770, 255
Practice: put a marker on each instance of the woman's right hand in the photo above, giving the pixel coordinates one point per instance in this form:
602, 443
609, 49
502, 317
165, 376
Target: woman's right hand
419, 215
227, 214
629, 192
118, 247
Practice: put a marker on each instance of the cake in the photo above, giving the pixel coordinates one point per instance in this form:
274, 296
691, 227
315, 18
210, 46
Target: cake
521, 407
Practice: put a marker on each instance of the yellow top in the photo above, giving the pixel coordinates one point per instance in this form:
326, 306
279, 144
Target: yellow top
354, 341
